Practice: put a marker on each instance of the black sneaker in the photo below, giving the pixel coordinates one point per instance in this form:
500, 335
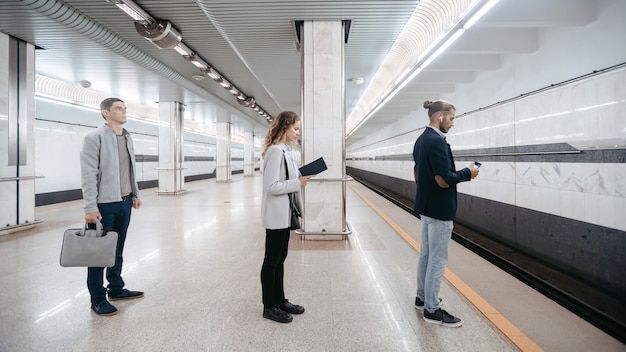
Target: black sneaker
291, 308
276, 314
442, 317
125, 294
419, 304
104, 308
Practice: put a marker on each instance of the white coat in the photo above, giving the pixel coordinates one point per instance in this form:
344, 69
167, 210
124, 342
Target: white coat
275, 211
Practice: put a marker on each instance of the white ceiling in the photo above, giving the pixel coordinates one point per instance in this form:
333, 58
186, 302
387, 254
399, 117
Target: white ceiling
253, 44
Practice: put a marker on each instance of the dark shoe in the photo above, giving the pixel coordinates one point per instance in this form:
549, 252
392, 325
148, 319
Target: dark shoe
291, 308
104, 308
419, 304
276, 314
442, 317
125, 294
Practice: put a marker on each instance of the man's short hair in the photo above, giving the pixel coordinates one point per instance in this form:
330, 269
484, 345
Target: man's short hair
107, 103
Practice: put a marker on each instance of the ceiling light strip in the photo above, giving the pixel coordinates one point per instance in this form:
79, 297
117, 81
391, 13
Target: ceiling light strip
473, 12
133, 10
142, 18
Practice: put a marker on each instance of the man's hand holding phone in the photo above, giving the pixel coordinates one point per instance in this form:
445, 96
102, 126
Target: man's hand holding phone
473, 167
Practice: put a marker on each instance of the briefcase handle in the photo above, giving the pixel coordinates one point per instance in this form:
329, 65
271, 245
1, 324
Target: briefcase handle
88, 230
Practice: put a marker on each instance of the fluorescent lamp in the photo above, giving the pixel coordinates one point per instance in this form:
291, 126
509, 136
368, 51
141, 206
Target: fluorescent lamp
199, 64
432, 46
211, 72
183, 50
410, 78
133, 10
480, 13
163, 34
130, 12
380, 95
443, 47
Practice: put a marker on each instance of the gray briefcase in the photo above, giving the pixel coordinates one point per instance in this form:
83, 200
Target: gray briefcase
88, 247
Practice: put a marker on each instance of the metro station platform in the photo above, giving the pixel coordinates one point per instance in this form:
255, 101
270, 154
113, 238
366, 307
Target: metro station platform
198, 255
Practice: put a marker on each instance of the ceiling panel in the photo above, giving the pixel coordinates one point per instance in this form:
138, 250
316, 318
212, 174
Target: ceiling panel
253, 44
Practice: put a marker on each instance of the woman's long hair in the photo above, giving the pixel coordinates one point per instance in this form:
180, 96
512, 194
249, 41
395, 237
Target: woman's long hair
278, 128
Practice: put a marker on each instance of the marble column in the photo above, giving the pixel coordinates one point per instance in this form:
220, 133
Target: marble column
323, 126
17, 126
222, 162
171, 139
248, 153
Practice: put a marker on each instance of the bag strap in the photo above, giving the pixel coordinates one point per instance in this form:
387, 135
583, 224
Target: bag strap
287, 176
286, 167
290, 195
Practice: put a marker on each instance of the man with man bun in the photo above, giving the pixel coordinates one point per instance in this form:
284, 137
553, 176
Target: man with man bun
436, 202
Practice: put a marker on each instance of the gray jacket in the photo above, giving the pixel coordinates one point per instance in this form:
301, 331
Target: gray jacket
275, 211
100, 168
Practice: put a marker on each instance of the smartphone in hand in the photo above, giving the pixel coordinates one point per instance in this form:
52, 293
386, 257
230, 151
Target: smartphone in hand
477, 164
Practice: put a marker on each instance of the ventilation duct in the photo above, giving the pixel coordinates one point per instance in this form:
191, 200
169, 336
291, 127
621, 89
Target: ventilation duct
161, 33
247, 102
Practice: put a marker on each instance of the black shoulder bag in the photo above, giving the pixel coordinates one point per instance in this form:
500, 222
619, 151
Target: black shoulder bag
295, 212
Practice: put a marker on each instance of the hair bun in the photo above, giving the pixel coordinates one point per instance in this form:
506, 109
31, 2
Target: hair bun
427, 104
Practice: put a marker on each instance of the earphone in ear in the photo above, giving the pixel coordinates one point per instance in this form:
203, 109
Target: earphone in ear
440, 118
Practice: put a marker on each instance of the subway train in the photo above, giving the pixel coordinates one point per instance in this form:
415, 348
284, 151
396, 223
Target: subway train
552, 182
60, 128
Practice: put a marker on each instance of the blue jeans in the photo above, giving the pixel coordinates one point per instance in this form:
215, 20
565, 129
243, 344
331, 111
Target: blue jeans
436, 236
115, 216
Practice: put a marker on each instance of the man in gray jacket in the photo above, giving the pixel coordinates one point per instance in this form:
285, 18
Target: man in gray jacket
107, 161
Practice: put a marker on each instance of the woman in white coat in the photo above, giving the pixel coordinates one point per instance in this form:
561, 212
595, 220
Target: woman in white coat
276, 212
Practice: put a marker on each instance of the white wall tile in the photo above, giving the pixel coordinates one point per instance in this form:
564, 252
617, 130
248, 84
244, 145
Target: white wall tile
571, 204
620, 180
545, 200
619, 204
599, 209
523, 196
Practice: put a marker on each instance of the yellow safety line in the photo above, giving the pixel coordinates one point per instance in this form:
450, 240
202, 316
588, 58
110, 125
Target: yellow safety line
514, 334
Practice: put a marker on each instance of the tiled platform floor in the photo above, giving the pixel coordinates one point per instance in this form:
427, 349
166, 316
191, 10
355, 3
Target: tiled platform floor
198, 255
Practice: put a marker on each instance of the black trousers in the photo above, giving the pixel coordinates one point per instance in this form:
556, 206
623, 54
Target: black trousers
272, 272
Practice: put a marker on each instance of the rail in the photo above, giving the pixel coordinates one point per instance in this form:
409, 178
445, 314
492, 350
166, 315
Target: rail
604, 311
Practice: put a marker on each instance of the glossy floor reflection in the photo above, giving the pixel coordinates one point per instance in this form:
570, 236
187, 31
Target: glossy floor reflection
198, 255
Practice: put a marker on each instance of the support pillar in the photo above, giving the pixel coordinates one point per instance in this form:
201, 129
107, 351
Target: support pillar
171, 139
323, 127
17, 146
248, 153
222, 162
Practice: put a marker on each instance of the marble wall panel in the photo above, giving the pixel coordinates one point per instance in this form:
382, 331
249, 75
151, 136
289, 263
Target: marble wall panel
619, 204
571, 204
7, 204
27, 201
587, 114
620, 181
5, 171
62, 172
324, 210
570, 179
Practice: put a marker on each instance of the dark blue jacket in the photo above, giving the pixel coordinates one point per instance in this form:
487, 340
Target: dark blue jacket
432, 157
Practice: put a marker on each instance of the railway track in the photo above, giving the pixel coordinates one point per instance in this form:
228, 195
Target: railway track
604, 311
